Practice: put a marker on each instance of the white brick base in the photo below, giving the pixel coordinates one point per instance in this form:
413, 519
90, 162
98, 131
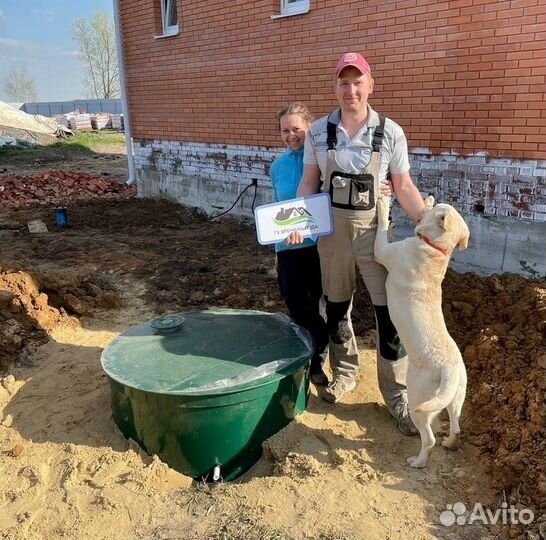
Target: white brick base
503, 200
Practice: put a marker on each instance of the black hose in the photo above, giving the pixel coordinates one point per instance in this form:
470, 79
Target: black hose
237, 200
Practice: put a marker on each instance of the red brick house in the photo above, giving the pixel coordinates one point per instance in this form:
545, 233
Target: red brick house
464, 78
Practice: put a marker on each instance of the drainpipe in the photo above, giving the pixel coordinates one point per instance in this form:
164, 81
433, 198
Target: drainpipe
123, 90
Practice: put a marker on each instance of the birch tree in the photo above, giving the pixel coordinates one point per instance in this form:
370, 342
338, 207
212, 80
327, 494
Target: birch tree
97, 43
19, 86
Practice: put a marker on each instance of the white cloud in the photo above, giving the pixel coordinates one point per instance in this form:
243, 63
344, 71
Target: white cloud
57, 71
8, 42
43, 13
74, 54
10, 48
2, 16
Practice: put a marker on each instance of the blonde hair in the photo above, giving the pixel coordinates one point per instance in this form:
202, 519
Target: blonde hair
296, 108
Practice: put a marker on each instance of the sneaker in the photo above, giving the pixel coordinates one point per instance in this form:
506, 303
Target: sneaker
317, 375
403, 420
337, 389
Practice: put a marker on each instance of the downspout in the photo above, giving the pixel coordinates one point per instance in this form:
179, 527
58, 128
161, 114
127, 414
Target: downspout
123, 90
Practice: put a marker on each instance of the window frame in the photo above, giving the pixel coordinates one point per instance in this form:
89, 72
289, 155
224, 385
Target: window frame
296, 8
171, 30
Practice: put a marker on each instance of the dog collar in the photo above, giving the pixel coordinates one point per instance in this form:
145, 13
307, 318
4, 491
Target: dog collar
432, 244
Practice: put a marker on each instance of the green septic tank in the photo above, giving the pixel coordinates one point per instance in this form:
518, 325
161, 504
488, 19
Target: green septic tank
203, 390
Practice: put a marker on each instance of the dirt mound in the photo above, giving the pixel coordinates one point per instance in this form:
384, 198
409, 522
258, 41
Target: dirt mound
25, 315
57, 187
78, 294
499, 324
32, 304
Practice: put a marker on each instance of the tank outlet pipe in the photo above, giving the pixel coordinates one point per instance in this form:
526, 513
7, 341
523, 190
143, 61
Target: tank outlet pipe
216, 474
123, 91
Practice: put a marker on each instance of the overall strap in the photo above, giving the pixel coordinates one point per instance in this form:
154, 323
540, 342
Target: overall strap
331, 134
377, 142
378, 134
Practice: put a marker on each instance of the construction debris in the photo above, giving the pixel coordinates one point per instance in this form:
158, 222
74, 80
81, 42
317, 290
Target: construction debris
8, 141
37, 226
58, 188
9, 117
27, 128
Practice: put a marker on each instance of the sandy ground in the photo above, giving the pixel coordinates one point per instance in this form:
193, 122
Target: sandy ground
338, 472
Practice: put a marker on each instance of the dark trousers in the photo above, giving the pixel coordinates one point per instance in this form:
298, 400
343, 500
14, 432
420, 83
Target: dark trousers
301, 288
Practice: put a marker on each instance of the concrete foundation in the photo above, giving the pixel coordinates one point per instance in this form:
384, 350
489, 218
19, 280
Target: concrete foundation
497, 245
502, 200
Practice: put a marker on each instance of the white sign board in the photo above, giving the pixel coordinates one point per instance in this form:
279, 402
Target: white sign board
311, 216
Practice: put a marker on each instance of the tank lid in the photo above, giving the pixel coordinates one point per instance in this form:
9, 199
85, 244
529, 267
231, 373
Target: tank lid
213, 351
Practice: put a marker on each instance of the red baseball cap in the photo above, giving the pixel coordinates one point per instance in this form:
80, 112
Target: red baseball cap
353, 59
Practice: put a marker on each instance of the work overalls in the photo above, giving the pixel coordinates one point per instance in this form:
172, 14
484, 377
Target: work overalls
354, 199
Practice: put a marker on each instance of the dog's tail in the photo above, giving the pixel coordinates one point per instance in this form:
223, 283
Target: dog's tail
449, 382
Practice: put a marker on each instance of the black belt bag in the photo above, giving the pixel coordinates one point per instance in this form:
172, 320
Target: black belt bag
352, 191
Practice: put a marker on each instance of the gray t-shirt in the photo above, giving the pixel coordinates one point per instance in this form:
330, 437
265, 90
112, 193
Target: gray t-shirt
354, 154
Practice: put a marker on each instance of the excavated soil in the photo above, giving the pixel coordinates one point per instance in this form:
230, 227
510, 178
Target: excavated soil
338, 472
499, 324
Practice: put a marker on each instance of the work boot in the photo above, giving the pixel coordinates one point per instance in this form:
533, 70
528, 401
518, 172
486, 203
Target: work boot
403, 420
317, 375
391, 376
337, 389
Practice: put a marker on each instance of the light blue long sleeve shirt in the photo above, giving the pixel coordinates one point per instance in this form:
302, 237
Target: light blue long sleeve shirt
286, 173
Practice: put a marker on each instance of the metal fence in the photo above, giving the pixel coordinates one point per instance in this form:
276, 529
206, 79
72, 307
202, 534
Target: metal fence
51, 108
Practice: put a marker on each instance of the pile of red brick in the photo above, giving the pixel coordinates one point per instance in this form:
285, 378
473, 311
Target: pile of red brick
59, 188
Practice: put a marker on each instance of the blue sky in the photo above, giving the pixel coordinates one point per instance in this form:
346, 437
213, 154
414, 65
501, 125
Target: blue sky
37, 35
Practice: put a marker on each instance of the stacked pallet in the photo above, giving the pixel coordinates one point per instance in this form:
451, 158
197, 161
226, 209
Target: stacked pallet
101, 120
117, 121
80, 122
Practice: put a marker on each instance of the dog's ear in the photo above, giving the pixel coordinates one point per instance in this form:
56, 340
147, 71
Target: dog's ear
429, 201
463, 239
444, 218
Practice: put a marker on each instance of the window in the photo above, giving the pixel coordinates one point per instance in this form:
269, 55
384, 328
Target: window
169, 17
292, 7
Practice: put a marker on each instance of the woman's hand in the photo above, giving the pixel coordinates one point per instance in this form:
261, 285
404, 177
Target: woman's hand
294, 238
385, 188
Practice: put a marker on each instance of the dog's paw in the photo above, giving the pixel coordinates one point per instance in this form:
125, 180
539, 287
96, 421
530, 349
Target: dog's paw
416, 463
451, 442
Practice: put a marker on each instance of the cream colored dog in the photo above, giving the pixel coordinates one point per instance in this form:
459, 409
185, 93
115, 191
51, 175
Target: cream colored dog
436, 377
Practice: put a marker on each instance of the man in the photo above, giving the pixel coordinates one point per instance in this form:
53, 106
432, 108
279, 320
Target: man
350, 153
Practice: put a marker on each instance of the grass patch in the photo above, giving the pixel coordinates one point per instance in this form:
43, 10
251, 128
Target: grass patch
82, 144
93, 139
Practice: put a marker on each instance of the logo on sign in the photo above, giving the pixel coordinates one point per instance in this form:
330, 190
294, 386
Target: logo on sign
293, 216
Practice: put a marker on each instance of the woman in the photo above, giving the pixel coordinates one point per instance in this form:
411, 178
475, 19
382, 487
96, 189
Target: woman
298, 266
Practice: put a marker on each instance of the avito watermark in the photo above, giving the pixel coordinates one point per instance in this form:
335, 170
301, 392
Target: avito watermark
457, 514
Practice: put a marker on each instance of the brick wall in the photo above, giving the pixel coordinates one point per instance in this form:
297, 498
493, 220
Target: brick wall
462, 76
